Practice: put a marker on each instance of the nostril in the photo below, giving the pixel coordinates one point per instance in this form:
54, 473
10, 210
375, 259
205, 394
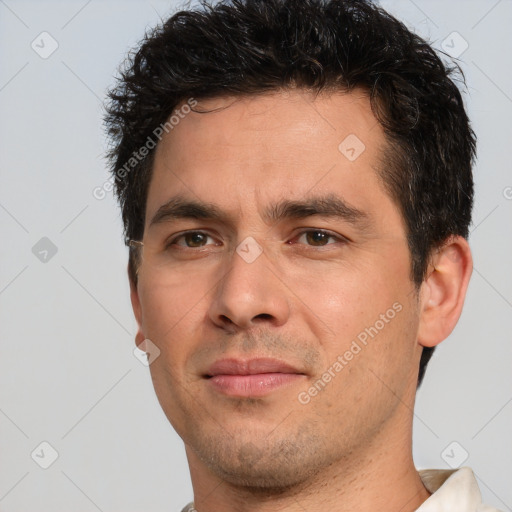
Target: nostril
226, 319
263, 316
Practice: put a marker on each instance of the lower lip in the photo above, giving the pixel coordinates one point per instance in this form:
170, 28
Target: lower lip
256, 385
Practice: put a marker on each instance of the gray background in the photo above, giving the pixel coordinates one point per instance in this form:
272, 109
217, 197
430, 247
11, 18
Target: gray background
67, 370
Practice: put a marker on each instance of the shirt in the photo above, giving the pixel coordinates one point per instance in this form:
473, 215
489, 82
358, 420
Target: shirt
453, 490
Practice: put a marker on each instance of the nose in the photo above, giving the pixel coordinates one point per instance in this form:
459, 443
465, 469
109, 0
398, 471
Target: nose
249, 295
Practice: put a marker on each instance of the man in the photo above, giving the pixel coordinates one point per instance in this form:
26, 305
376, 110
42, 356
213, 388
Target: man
296, 189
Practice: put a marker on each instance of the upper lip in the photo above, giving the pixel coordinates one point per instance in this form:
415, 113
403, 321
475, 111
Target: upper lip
249, 367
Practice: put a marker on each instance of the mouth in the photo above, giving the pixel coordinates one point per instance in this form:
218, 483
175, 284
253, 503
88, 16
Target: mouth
251, 378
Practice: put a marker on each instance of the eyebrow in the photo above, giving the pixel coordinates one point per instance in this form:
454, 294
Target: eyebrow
330, 206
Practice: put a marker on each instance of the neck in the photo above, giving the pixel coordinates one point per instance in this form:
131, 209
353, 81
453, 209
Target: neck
380, 475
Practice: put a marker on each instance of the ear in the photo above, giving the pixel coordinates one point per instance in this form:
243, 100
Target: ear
443, 291
137, 311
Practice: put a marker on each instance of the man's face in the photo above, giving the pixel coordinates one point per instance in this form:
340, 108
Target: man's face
329, 294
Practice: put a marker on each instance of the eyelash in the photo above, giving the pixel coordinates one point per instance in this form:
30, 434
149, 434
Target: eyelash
173, 241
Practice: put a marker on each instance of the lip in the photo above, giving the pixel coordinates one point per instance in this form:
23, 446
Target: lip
250, 367
251, 378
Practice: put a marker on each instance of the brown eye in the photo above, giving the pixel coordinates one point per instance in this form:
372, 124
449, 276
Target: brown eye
191, 240
318, 238
195, 239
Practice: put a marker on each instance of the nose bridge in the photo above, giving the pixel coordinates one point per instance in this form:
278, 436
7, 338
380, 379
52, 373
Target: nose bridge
249, 292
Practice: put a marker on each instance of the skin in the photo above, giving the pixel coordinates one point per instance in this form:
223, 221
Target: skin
301, 301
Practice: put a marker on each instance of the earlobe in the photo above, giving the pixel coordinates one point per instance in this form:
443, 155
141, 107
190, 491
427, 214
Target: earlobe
137, 311
443, 291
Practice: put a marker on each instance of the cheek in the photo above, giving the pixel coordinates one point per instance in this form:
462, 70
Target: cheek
166, 300
368, 364
342, 301
172, 312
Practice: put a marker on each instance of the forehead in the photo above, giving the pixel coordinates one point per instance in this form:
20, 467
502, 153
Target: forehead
282, 121
240, 151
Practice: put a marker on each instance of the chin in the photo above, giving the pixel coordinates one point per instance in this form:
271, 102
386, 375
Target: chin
265, 468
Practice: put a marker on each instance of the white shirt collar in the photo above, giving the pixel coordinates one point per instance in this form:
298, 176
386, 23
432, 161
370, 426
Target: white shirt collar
453, 490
